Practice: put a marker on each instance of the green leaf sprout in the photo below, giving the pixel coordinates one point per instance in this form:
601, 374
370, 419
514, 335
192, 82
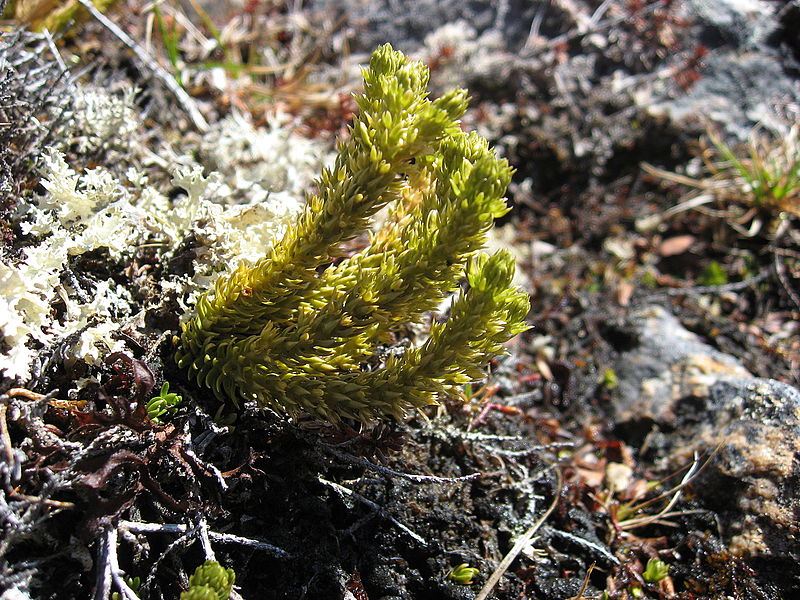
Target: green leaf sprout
463, 574
655, 571
166, 403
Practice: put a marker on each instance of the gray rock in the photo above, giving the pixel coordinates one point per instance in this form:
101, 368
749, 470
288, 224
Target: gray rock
738, 91
742, 23
745, 79
664, 364
703, 401
405, 24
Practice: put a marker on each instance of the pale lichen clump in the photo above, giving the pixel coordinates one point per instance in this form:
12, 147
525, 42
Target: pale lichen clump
74, 214
101, 119
115, 210
261, 162
459, 54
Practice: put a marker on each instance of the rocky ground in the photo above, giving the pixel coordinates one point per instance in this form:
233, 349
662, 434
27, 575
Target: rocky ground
640, 441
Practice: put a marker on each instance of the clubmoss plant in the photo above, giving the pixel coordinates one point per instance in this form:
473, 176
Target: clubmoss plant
298, 330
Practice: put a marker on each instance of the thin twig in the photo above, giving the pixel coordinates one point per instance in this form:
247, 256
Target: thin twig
39, 500
102, 587
184, 539
780, 271
709, 289
185, 100
579, 32
229, 538
590, 545
54, 51
476, 436
673, 177
523, 397
391, 473
207, 466
598, 14
205, 542
536, 25
521, 542
374, 506
7, 446
113, 564
223, 538
26, 393
527, 451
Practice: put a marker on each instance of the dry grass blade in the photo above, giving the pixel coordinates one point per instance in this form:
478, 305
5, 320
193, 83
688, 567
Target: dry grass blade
674, 494
584, 585
521, 542
184, 99
756, 188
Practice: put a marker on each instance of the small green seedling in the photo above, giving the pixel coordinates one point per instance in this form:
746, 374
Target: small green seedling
609, 379
463, 574
649, 279
655, 571
713, 275
165, 403
171, 38
211, 581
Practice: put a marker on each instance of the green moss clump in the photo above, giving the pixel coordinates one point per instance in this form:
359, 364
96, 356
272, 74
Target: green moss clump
713, 275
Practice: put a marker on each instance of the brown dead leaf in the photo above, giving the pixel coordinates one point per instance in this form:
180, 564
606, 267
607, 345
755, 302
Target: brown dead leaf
676, 245
591, 477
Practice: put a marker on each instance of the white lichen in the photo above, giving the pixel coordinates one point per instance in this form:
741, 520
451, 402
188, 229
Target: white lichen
102, 119
72, 197
231, 216
457, 54
258, 161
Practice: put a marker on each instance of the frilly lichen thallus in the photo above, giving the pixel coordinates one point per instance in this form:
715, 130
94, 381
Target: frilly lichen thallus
295, 330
